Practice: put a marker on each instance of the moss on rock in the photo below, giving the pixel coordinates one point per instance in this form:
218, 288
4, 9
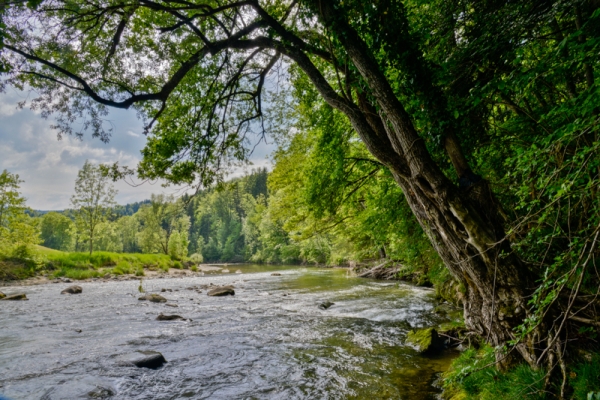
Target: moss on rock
425, 340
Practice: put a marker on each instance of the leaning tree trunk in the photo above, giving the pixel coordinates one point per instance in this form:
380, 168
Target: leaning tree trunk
464, 225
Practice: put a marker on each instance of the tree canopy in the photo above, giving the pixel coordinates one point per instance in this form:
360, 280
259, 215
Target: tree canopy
484, 113
94, 194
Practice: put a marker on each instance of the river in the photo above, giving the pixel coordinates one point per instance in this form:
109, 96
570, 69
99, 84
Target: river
269, 341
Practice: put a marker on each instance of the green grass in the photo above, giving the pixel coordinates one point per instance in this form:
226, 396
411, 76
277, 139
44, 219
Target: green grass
467, 379
123, 267
76, 265
586, 378
78, 274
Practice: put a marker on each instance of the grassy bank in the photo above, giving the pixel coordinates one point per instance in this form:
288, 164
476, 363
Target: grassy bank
473, 375
54, 263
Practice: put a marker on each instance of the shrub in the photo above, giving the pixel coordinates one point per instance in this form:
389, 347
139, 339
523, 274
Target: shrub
196, 258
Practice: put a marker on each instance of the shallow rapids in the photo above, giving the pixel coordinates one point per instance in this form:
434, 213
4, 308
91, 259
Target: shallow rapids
269, 341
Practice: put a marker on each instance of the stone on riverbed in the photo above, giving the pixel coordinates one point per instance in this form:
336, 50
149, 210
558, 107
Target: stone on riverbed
165, 317
325, 305
275, 274
222, 291
155, 298
425, 340
72, 290
18, 296
2, 295
143, 359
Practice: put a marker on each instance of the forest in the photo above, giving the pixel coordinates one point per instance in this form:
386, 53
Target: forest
460, 138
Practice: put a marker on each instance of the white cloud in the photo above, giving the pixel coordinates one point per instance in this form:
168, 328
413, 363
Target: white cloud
29, 147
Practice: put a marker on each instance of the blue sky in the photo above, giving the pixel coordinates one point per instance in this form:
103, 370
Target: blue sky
48, 167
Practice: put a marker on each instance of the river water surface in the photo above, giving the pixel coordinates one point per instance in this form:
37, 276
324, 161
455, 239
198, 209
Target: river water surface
269, 341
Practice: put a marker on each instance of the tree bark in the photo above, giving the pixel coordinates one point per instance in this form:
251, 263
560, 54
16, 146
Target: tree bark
464, 225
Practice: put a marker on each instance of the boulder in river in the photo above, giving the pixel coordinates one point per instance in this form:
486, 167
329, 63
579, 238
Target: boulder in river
143, 359
72, 290
222, 291
425, 341
2, 295
18, 296
155, 298
165, 317
275, 274
325, 305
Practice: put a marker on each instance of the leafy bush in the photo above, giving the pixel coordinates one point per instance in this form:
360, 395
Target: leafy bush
196, 258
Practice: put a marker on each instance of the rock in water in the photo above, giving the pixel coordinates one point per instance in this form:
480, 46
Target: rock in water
19, 296
164, 317
275, 274
144, 359
325, 305
2, 295
72, 290
222, 291
155, 298
425, 341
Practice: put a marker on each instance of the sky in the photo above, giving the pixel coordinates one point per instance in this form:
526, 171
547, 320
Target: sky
29, 147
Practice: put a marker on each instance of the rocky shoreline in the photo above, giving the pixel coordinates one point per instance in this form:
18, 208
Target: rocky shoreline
202, 270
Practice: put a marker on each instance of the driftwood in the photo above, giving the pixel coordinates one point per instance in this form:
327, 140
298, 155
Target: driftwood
382, 271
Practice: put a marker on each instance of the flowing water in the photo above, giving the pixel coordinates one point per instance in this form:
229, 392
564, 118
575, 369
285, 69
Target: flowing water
269, 341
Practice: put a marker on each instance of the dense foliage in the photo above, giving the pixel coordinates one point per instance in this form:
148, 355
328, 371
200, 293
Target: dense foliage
480, 117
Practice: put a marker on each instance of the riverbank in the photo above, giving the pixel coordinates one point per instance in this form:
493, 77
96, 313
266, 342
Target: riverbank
199, 270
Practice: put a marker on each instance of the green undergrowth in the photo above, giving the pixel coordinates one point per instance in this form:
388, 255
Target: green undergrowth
473, 375
585, 379
84, 265
38, 259
20, 263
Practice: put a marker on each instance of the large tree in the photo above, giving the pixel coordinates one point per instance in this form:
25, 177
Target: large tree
57, 231
411, 77
163, 223
94, 195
